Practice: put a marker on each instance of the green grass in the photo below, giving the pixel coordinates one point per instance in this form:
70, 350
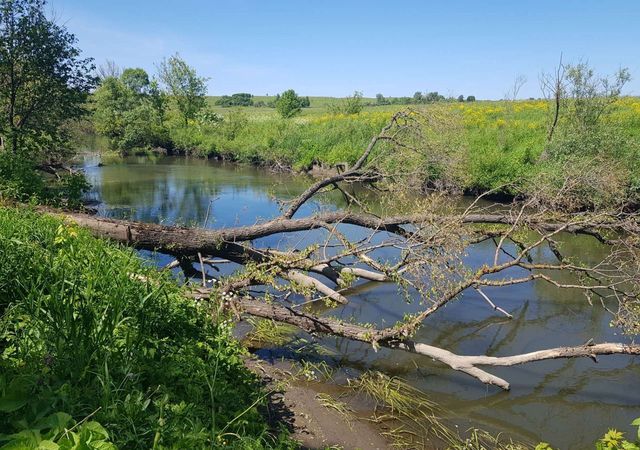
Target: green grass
489, 144
80, 333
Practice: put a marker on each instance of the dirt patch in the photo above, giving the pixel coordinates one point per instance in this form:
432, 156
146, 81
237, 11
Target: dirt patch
298, 406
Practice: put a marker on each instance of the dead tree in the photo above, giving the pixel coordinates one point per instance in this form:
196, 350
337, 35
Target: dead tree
427, 245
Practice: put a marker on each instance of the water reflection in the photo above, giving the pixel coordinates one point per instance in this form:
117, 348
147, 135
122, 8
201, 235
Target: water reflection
567, 402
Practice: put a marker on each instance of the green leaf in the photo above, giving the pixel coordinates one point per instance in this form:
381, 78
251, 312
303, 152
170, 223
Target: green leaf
626, 445
56, 423
12, 402
26, 439
18, 394
95, 430
101, 445
636, 423
48, 445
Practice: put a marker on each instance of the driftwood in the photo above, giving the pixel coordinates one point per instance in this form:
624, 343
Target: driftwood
428, 245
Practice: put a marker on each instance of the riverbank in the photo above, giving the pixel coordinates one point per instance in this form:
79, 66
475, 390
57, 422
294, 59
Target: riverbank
91, 334
469, 147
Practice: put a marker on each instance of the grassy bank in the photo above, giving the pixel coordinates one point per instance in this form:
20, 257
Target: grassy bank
91, 335
490, 144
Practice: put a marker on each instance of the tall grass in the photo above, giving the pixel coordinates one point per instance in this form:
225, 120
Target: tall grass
497, 143
81, 333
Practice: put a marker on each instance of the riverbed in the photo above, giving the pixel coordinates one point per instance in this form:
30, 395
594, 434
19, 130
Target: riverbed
568, 403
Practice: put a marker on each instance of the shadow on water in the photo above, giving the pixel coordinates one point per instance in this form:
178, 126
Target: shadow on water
566, 402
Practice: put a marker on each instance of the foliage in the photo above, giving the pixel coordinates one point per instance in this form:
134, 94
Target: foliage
350, 105
185, 87
89, 329
380, 100
136, 80
129, 111
586, 102
288, 104
483, 145
43, 80
614, 440
59, 431
21, 181
242, 99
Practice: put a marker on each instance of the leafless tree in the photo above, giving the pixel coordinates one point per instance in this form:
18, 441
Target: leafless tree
512, 94
108, 69
553, 88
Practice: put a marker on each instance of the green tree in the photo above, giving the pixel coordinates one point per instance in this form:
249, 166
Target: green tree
129, 111
353, 103
288, 104
433, 97
417, 97
471, 98
43, 80
460, 98
137, 80
158, 100
185, 87
380, 100
111, 101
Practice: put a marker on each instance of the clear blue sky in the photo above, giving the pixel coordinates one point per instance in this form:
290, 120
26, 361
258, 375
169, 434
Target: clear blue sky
335, 47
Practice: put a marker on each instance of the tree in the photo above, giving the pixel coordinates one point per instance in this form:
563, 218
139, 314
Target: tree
461, 98
158, 100
240, 99
350, 105
433, 97
471, 98
380, 100
288, 104
427, 256
43, 80
108, 69
185, 87
129, 110
417, 97
581, 98
137, 80
353, 103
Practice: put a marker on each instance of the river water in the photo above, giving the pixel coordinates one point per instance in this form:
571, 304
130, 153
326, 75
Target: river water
568, 403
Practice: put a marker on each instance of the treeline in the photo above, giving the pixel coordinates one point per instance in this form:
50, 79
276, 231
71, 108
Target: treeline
244, 99
420, 98
138, 113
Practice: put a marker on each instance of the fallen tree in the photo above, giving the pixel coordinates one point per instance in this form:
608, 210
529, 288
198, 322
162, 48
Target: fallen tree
424, 255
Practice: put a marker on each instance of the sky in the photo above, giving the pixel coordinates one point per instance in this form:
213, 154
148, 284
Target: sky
333, 48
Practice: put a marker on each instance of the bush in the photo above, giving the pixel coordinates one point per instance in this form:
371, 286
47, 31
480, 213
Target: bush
21, 181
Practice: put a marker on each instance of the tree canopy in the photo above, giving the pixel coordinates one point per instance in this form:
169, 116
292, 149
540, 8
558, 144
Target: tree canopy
288, 104
44, 80
186, 88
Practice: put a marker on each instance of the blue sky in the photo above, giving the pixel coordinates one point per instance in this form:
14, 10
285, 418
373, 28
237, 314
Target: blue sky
335, 47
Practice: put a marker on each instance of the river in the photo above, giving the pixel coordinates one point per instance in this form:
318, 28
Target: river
568, 403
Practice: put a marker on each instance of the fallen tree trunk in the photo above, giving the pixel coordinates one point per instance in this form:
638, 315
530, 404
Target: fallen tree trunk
189, 241
463, 363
